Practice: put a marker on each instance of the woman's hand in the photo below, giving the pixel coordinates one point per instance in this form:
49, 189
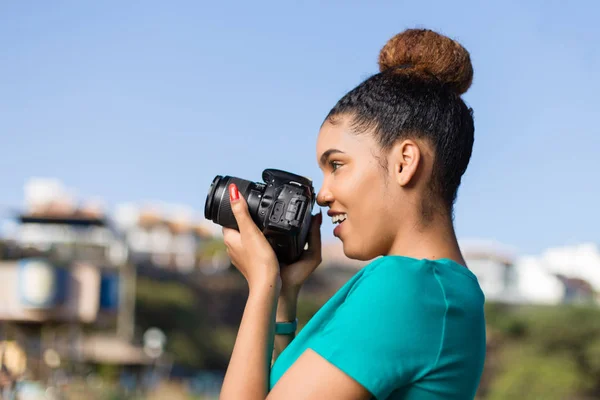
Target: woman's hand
294, 275
249, 250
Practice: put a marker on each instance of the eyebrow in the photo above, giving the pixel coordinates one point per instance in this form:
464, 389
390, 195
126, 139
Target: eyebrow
327, 154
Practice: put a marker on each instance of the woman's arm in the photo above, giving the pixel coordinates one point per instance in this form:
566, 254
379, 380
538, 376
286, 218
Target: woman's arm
247, 375
293, 277
286, 312
312, 377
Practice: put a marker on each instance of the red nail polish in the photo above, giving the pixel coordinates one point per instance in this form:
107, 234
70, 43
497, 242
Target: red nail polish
234, 194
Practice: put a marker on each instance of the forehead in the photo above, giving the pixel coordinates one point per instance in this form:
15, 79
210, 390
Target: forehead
330, 134
338, 135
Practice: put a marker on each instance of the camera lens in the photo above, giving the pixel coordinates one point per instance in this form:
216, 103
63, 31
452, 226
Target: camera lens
218, 207
210, 197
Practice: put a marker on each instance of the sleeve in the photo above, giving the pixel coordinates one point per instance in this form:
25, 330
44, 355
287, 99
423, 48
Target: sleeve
389, 330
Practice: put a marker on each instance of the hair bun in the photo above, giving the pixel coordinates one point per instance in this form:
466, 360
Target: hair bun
427, 53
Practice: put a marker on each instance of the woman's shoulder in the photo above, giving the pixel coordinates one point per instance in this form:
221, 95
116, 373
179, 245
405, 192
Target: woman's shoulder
393, 278
390, 268
414, 280
393, 267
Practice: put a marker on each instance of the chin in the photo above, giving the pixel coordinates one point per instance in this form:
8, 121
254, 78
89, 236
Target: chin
359, 251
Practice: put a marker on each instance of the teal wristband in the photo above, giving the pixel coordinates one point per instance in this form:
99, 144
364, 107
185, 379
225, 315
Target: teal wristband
286, 328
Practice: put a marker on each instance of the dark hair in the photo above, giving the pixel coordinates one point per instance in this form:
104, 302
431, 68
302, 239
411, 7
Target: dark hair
416, 94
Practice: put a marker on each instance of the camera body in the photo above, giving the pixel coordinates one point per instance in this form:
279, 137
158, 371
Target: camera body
281, 208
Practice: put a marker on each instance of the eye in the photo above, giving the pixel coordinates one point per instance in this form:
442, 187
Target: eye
335, 165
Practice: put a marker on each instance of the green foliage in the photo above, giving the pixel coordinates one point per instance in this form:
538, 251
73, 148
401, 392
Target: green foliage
223, 339
108, 372
307, 307
212, 248
200, 329
173, 307
527, 375
502, 318
593, 355
566, 327
545, 352
152, 293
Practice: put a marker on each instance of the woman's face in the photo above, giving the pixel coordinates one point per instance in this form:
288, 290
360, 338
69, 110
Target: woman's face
358, 188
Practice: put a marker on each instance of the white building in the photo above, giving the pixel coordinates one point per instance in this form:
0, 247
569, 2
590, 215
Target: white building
494, 266
166, 236
537, 284
54, 219
578, 261
571, 266
559, 275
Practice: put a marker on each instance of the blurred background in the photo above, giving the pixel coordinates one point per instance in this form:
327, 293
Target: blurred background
115, 117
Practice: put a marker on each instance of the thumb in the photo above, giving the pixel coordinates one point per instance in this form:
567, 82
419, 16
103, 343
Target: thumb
239, 207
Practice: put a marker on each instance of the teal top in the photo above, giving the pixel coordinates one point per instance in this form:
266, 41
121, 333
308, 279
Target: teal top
403, 328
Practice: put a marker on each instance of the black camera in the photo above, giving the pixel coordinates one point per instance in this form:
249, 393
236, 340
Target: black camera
281, 207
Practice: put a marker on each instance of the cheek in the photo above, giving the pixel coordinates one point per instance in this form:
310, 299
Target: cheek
379, 206
372, 225
370, 202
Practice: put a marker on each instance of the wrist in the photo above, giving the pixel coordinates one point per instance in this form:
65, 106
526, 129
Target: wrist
287, 327
290, 292
287, 305
267, 283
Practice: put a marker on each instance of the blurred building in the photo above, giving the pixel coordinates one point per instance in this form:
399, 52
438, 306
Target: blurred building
578, 261
66, 271
60, 240
558, 276
169, 237
538, 285
576, 268
494, 266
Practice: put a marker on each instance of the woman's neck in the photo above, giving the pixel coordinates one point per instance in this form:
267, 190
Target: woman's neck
434, 240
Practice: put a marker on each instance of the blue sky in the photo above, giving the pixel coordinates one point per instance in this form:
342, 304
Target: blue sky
140, 100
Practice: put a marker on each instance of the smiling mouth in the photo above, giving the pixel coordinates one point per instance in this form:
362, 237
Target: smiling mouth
338, 218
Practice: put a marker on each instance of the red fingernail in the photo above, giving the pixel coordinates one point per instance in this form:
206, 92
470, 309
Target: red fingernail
234, 194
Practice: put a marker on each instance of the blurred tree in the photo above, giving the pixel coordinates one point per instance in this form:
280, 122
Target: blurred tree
545, 352
527, 375
173, 308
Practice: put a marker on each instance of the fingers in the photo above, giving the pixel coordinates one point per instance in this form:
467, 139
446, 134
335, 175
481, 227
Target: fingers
314, 237
315, 231
239, 206
231, 238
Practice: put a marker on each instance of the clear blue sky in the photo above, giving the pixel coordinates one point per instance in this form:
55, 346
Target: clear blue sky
138, 100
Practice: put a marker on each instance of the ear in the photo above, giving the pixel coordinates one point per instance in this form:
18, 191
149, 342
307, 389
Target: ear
405, 157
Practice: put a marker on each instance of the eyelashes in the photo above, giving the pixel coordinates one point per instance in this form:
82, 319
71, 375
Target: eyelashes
335, 165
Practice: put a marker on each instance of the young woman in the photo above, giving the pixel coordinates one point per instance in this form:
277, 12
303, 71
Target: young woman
410, 325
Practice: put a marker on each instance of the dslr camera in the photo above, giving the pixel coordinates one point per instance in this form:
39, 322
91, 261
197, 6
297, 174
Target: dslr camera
281, 207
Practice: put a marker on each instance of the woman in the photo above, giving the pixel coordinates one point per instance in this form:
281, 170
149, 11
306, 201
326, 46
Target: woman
410, 325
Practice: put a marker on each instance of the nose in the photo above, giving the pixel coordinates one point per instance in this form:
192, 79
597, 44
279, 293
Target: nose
324, 197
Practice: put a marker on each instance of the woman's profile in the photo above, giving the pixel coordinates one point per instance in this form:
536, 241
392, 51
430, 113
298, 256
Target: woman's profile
410, 324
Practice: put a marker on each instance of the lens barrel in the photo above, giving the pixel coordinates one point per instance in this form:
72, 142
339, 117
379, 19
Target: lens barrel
218, 207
